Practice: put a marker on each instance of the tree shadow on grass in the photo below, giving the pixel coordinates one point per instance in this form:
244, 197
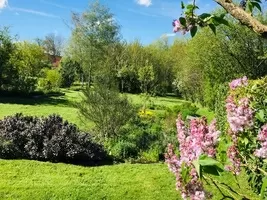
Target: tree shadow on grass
108, 161
35, 99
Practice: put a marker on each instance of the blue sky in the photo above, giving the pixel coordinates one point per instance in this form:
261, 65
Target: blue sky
146, 20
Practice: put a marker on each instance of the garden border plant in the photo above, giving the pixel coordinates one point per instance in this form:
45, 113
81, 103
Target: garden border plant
198, 160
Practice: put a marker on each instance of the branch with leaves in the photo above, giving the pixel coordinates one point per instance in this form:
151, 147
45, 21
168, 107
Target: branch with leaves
190, 21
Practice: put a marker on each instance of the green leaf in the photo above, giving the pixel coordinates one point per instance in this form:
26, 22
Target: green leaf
198, 168
263, 187
204, 15
257, 5
213, 170
193, 31
182, 21
185, 172
259, 1
204, 160
182, 5
260, 115
213, 28
250, 6
220, 20
245, 141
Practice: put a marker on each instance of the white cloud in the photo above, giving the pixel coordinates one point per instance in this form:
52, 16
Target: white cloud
3, 4
167, 35
146, 3
35, 12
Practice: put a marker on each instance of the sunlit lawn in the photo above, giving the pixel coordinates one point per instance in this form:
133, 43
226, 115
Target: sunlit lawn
22, 179
65, 106
38, 180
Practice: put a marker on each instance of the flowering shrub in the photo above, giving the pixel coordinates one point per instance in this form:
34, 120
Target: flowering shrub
247, 135
196, 144
262, 138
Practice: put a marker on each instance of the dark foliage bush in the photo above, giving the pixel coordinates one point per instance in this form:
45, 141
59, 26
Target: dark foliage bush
47, 139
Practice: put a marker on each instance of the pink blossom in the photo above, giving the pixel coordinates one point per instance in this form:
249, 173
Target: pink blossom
238, 83
198, 139
176, 26
239, 115
262, 138
233, 155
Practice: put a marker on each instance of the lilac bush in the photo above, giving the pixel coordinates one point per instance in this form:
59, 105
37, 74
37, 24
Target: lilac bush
262, 138
247, 137
194, 141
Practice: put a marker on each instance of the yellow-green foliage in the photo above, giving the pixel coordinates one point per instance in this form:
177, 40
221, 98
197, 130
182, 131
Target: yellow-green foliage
50, 81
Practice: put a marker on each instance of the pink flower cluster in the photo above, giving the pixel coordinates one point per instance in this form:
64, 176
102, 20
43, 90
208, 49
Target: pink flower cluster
238, 83
233, 155
262, 138
177, 26
239, 115
194, 141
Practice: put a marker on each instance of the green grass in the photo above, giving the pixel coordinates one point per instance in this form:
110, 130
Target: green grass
64, 106
37, 180
22, 179
206, 112
164, 101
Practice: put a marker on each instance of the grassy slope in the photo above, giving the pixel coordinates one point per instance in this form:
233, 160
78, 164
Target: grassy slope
23, 179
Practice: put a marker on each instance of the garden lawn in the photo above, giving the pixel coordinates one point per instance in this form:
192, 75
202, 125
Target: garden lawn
22, 179
158, 101
65, 106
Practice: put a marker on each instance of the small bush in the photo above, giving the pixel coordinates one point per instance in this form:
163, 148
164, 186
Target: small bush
185, 109
124, 150
107, 109
143, 141
47, 139
50, 81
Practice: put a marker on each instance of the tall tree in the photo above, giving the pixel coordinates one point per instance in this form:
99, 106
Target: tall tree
7, 71
53, 44
95, 32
